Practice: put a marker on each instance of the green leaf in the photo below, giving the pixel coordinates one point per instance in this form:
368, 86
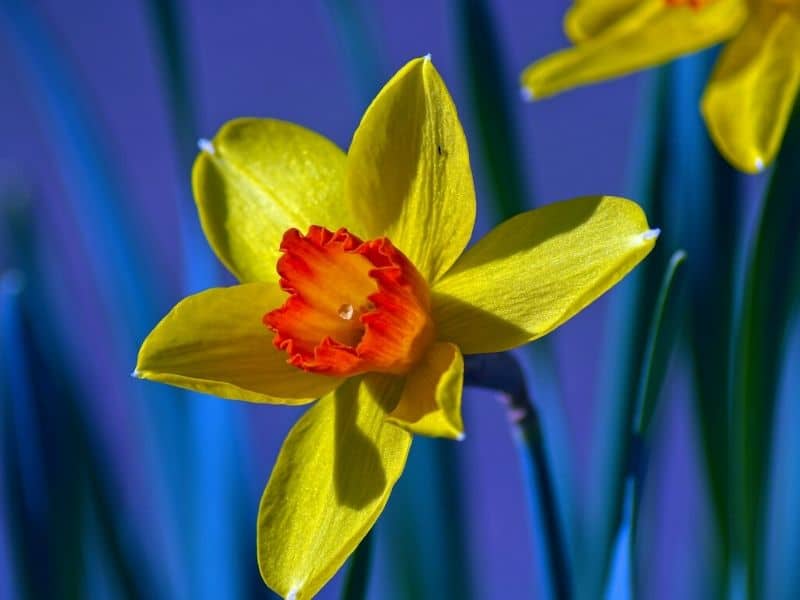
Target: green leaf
487, 85
665, 323
663, 330
493, 96
765, 312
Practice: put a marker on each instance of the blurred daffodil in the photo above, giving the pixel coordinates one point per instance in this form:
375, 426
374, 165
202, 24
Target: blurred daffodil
355, 288
752, 89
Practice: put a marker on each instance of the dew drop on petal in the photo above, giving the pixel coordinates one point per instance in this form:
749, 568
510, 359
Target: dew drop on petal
346, 312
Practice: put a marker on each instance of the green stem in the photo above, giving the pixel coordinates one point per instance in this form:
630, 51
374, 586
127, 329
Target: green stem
357, 579
503, 373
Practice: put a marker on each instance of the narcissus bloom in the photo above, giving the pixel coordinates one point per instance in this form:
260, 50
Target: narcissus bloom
752, 89
356, 289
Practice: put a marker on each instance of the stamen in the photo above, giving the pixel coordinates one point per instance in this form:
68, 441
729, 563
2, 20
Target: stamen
346, 312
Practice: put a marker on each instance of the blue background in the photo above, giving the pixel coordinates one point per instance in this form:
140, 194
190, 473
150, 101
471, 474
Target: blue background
184, 481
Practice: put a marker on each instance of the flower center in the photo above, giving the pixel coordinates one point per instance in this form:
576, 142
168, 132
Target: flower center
353, 306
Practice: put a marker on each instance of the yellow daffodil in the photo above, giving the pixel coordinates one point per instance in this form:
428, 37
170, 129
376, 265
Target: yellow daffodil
752, 89
356, 289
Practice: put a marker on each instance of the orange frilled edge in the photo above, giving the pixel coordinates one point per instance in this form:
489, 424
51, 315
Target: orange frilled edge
353, 306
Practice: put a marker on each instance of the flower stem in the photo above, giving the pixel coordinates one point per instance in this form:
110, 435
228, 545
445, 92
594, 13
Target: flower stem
502, 372
357, 579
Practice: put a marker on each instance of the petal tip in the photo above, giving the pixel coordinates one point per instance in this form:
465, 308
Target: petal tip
207, 146
651, 234
137, 374
292, 595
428, 57
460, 437
527, 94
759, 164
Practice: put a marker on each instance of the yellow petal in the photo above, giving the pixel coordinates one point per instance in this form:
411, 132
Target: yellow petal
588, 18
753, 88
408, 174
214, 342
431, 400
332, 480
256, 179
538, 269
653, 33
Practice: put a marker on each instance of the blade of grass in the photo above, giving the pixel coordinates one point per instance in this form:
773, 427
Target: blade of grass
124, 275
503, 373
216, 546
763, 320
663, 330
487, 86
492, 96
703, 210
75, 472
664, 326
351, 21
357, 578
781, 537
629, 313
692, 194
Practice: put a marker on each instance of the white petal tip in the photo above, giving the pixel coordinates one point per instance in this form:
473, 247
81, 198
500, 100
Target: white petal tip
461, 437
759, 162
206, 146
136, 374
292, 595
427, 57
651, 234
526, 94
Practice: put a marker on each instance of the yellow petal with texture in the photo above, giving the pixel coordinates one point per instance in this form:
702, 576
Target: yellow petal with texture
408, 173
431, 400
256, 179
653, 33
215, 342
753, 88
588, 18
332, 480
538, 269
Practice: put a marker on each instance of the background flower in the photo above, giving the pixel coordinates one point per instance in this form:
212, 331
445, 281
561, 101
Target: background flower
751, 91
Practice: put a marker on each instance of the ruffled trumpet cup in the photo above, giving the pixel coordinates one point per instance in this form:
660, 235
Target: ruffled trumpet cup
752, 89
356, 289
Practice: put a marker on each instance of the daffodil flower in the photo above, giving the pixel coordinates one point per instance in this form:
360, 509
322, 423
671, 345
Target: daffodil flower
356, 289
752, 89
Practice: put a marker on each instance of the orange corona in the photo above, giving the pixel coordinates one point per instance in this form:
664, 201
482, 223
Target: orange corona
353, 306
